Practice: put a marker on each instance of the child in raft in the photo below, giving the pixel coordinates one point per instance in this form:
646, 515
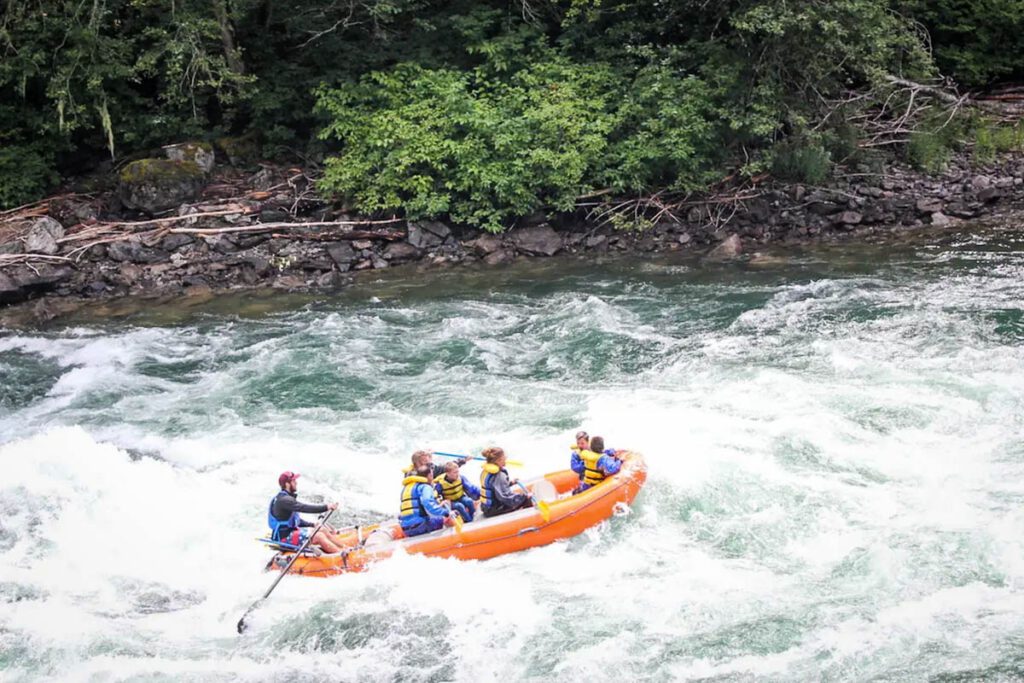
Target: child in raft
594, 463
496, 497
456, 489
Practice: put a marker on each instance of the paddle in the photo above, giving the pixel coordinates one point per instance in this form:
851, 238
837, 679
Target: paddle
545, 509
241, 622
514, 463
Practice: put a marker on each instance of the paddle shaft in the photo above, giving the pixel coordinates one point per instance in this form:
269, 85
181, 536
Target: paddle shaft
473, 457
284, 572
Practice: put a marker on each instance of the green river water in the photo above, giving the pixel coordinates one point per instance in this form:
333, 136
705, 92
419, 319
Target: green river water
834, 437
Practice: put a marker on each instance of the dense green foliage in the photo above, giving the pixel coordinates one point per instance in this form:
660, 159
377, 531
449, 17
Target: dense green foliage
479, 111
977, 42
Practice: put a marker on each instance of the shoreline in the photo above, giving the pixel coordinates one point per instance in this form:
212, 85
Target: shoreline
274, 235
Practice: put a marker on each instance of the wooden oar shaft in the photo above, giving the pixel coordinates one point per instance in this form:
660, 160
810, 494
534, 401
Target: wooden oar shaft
284, 572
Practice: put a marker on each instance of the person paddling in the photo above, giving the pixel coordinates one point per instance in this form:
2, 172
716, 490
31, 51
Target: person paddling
496, 497
286, 526
422, 459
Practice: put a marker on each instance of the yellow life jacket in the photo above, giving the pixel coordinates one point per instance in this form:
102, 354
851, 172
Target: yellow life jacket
451, 490
486, 489
591, 474
410, 506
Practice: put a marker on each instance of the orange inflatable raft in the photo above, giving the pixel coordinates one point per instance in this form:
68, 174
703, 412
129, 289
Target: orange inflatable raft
562, 515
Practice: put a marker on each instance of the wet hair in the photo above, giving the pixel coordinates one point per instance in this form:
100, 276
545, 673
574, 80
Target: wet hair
425, 471
419, 458
596, 444
492, 454
451, 465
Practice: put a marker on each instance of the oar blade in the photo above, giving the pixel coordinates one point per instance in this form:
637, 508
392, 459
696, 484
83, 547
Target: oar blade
545, 510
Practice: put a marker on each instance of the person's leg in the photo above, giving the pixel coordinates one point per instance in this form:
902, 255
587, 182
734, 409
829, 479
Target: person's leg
324, 542
460, 508
424, 527
470, 508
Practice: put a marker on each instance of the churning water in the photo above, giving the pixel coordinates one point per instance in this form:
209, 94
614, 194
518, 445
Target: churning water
835, 442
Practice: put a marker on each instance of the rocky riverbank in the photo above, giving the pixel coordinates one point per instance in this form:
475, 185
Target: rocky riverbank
184, 225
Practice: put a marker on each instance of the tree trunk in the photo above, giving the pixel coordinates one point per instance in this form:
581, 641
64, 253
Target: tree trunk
227, 37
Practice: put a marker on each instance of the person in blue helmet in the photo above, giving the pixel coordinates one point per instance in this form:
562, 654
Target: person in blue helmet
598, 463
456, 489
422, 510
287, 527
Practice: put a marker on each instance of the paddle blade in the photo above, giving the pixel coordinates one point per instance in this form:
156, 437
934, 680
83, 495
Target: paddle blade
545, 511
514, 463
458, 523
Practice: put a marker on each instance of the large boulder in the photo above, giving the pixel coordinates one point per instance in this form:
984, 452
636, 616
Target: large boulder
729, 248
541, 240
400, 252
199, 153
19, 284
427, 234
42, 236
156, 185
486, 244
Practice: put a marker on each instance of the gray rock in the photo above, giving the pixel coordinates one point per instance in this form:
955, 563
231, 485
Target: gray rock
849, 218
729, 248
824, 208
156, 185
20, 284
199, 153
486, 244
538, 241
595, 241
400, 252
685, 238
173, 242
989, 194
133, 252
979, 183
929, 205
13, 247
499, 257
43, 235
941, 220
423, 238
342, 254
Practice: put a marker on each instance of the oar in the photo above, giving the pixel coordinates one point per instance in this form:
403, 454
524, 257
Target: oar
514, 463
545, 509
241, 622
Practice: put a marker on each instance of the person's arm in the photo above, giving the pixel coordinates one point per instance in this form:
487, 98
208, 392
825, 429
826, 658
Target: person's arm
429, 501
288, 505
471, 490
503, 491
576, 462
609, 464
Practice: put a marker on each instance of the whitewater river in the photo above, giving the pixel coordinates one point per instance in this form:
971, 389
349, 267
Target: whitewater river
835, 439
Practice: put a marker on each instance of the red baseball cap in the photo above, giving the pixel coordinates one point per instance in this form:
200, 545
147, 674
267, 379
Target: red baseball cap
286, 477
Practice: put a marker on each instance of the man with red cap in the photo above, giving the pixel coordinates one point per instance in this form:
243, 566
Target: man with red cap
287, 528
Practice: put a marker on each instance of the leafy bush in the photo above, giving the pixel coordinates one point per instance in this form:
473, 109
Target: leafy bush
802, 160
489, 145
26, 173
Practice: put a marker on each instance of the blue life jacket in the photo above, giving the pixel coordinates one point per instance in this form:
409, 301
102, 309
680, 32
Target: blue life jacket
412, 511
487, 494
276, 525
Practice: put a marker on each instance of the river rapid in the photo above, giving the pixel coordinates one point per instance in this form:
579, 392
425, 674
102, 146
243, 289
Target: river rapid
834, 435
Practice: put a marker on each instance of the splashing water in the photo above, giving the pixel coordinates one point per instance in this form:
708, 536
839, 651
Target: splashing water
835, 489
